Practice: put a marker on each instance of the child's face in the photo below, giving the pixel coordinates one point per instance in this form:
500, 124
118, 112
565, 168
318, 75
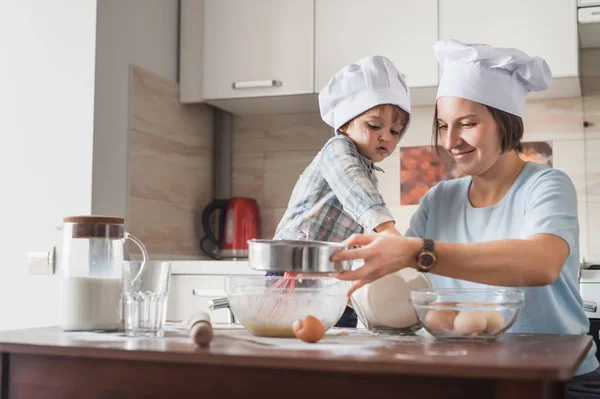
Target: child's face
376, 136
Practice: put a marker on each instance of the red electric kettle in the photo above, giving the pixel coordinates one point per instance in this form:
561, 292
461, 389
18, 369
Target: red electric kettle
239, 221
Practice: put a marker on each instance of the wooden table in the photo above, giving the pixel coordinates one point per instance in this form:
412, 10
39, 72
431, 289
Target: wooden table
47, 363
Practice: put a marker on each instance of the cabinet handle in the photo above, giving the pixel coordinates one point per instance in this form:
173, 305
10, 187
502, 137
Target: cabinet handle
218, 303
255, 84
590, 306
221, 303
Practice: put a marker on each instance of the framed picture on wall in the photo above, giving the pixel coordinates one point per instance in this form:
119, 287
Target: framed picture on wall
423, 167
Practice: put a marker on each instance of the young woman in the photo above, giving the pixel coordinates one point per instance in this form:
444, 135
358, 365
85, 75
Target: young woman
507, 222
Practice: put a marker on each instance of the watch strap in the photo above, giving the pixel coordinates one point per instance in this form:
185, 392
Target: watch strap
428, 245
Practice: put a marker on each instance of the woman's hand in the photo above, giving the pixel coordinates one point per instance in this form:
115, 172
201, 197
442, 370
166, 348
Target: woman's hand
383, 254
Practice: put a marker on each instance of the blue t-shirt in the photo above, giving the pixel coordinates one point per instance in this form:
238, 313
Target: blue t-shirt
541, 201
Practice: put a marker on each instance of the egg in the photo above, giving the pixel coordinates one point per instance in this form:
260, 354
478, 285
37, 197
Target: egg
309, 330
495, 321
440, 320
470, 323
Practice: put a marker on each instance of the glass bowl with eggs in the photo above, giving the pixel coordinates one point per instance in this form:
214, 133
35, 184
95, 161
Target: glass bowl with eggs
478, 313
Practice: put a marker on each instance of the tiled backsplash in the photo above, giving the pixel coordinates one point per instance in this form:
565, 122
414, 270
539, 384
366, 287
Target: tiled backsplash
170, 167
271, 151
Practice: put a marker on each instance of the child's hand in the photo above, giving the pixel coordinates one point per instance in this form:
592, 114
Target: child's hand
387, 228
391, 232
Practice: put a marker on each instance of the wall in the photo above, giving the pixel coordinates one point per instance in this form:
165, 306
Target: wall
47, 98
138, 32
270, 152
591, 106
170, 166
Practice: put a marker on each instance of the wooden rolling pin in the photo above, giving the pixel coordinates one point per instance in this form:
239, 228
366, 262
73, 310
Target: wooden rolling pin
201, 331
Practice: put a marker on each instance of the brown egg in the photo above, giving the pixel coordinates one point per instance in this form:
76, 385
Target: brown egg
309, 330
470, 323
440, 320
495, 321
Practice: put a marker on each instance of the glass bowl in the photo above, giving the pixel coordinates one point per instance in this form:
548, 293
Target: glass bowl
467, 313
268, 306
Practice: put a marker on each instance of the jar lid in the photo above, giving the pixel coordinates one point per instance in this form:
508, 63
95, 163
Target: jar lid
107, 227
94, 219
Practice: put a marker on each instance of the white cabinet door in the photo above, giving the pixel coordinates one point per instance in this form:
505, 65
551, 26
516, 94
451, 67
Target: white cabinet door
183, 303
403, 31
544, 28
255, 48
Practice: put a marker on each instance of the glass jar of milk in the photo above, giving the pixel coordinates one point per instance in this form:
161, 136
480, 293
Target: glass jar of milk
91, 280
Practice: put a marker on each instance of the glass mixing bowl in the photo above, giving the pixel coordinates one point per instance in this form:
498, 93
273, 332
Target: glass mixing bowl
467, 313
268, 306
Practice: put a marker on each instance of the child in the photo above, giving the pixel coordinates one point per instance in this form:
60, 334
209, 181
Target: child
368, 105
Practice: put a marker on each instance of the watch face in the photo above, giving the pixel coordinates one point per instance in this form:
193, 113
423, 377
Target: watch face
426, 261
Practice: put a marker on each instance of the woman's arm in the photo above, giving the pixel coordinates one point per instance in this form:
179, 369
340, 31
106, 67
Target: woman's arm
535, 261
548, 234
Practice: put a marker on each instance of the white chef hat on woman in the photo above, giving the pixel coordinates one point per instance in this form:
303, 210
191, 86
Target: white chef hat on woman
494, 76
360, 86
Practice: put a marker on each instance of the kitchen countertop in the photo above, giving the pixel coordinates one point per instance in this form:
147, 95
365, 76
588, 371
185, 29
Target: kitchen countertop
43, 360
212, 267
219, 267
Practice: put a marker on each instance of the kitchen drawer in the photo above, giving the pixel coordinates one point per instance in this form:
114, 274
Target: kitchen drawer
183, 303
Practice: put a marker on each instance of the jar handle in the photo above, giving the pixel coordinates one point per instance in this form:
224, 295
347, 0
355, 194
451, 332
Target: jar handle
142, 248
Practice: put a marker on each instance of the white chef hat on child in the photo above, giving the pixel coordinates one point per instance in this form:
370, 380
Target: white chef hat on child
361, 86
498, 77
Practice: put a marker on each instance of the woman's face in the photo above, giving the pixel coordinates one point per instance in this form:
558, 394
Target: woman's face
469, 132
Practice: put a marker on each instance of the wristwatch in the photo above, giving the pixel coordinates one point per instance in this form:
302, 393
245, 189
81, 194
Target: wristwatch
426, 258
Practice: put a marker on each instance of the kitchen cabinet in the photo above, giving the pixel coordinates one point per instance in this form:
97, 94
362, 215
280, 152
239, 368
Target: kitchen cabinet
272, 56
194, 283
190, 294
403, 31
545, 28
257, 48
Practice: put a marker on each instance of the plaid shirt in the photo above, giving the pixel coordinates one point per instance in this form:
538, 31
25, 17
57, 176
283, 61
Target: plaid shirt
335, 196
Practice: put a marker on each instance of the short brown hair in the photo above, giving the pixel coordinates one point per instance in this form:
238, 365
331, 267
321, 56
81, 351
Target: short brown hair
510, 127
398, 115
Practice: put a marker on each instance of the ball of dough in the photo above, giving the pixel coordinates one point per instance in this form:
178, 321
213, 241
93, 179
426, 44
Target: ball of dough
440, 320
470, 323
494, 321
388, 298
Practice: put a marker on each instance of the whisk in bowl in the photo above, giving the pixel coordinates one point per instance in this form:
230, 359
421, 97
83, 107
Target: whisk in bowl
269, 306
289, 262
273, 304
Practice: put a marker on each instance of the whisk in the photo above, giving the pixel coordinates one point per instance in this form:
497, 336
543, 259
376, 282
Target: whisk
273, 305
288, 282
285, 285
